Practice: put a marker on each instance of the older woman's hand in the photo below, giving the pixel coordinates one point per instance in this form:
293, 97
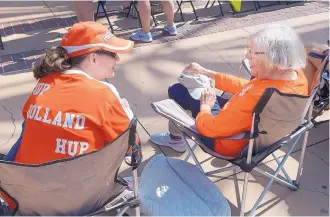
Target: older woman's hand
194, 68
208, 99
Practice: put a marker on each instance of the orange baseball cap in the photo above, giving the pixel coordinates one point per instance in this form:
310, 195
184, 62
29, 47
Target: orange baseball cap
87, 37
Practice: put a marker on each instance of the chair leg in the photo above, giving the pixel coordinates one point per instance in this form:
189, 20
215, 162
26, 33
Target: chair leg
207, 4
221, 11
193, 7
154, 19
97, 10
191, 153
246, 182
2, 47
272, 177
180, 9
136, 191
106, 15
213, 3
283, 170
280, 181
130, 8
138, 13
303, 149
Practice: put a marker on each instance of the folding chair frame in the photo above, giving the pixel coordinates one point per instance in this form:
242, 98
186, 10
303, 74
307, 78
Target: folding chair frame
268, 5
322, 101
123, 201
248, 165
2, 47
220, 6
180, 9
250, 162
102, 3
293, 2
133, 4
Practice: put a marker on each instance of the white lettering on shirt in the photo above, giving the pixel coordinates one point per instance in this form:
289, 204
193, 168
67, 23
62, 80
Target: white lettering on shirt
37, 113
80, 122
45, 120
57, 120
68, 120
70, 147
40, 88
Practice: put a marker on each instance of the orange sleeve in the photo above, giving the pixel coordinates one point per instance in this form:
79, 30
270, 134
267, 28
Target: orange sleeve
234, 119
115, 119
229, 83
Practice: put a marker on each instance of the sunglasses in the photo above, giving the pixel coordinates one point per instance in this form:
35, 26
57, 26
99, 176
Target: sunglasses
249, 51
108, 53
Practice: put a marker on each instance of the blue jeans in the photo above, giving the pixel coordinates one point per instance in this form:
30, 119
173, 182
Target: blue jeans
180, 94
13, 151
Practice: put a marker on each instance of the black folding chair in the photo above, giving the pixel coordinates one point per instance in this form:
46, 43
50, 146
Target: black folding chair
133, 5
292, 2
322, 96
267, 5
2, 47
180, 9
219, 2
102, 3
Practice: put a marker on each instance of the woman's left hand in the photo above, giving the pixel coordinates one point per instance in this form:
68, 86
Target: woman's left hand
208, 99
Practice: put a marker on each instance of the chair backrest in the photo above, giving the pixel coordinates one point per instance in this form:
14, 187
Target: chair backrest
72, 186
277, 115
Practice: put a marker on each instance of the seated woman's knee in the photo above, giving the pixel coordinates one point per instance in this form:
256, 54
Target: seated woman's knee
176, 90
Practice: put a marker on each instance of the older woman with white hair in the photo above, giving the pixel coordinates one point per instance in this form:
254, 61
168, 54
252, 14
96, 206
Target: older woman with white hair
277, 57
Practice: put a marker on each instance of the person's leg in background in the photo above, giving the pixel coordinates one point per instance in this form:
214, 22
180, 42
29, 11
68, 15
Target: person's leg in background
143, 35
126, 4
84, 10
168, 7
144, 8
173, 138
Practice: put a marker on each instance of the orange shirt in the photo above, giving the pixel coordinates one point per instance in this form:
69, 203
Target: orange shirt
69, 114
236, 115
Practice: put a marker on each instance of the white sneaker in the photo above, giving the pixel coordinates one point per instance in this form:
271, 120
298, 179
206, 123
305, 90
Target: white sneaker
165, 139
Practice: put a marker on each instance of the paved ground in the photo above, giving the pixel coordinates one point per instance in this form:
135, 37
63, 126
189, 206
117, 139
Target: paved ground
144, 75
26, 34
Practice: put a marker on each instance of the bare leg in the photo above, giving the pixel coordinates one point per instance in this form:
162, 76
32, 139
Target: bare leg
168, 7
84, 10
145, 12
126, 4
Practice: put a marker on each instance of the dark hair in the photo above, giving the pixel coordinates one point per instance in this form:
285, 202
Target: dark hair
57, 60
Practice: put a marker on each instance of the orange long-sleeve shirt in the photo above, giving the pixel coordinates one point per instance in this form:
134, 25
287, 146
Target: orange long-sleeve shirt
236, 115
69, 114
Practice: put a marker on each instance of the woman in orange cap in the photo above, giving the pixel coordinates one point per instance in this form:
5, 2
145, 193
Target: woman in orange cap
70, 111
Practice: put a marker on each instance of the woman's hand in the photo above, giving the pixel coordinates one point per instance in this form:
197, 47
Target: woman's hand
194, 68
208, 99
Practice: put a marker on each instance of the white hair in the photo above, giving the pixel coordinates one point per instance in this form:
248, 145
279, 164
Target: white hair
282, 46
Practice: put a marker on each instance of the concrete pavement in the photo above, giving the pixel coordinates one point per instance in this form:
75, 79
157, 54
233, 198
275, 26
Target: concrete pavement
143, 77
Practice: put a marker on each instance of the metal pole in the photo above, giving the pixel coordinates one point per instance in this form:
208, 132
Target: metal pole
246, 182
289, 185
198, 165
283, 170
222, 170
303, 149
248, 161
136, 191
189, 153
271, 181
